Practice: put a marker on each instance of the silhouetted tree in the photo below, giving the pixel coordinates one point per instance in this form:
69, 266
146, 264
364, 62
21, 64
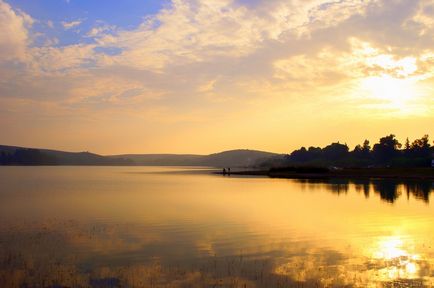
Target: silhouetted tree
314, 153
300, 155
335, 152
385, 153
362, 150
386, 149
421, 147
358, 149
407, 145
366, 147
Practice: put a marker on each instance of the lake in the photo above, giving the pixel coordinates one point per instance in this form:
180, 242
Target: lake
186, 227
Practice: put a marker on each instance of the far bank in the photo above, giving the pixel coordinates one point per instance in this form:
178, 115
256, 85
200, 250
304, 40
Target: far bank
324, 173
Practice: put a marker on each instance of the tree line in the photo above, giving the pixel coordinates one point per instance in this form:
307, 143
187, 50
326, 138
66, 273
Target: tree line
388, 152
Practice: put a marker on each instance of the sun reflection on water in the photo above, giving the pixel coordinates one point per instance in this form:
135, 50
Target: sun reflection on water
393, 258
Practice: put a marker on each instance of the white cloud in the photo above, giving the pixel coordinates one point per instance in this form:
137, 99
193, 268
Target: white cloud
100, 30
205, 30
52, 59
188, 32
14, 34
71, 24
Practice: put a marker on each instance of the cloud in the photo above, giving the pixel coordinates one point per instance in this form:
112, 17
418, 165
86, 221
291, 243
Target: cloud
14, 34
71, 24
100, 30
198, 31
268, 43
187, 33
58, 59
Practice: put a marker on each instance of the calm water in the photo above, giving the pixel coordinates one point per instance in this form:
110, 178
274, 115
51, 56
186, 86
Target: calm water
174, 227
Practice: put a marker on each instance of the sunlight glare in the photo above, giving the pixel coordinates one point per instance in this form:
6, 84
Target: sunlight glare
389, 249
394, 90
394, 259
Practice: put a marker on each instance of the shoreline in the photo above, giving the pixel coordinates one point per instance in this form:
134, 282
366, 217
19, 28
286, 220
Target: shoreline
368, 173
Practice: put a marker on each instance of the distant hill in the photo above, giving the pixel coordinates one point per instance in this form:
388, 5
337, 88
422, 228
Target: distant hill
12, 155
236, 158
160, 159
233, 158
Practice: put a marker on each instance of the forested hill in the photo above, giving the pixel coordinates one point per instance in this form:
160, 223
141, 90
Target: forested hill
12, 155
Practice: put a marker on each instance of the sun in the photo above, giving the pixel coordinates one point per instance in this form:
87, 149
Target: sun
395, 92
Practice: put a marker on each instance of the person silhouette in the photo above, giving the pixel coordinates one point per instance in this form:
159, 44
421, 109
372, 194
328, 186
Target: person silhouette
224, 171
229, 171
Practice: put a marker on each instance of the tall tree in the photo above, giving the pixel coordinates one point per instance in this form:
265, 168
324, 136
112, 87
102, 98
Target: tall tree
386, 149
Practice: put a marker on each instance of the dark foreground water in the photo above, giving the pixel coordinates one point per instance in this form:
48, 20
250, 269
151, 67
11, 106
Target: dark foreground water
174, 227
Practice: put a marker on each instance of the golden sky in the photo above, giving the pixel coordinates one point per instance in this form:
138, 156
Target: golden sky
202, 76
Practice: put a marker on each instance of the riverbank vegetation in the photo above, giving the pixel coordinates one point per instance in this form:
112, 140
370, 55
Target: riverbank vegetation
388, 152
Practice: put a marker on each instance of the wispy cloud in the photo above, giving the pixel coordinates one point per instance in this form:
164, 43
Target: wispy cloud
71, 24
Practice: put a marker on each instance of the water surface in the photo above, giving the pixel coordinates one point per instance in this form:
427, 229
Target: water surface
185, 227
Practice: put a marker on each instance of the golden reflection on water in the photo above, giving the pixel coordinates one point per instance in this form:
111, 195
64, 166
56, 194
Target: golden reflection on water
126, 226
396, 257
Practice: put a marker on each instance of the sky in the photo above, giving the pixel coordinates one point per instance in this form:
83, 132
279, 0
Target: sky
203, 76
